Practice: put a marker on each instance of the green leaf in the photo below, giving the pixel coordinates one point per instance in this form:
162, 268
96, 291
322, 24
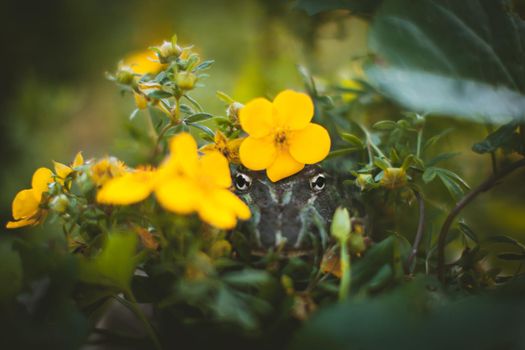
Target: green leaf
434, 139
468, 232
385, 125
352, 139
342, 152
197, 117
457, 58
505, 136
247, 277
159, 94
360, 7
442, 157
134, 114
429, 175
511, 256
114, 265
203, 128
381, 163
506, 239
204, 65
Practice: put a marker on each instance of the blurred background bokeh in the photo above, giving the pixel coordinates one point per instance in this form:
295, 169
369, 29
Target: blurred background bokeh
56, 101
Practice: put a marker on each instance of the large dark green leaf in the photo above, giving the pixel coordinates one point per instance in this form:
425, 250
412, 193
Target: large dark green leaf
361, 7
451, 57
418, 316
114, 266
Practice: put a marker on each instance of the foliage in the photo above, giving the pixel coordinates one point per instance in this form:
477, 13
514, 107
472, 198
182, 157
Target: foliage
432, 283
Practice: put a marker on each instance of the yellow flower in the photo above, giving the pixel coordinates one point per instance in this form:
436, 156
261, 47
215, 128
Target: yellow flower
281, 138
229, 148
394, 178
62, 170
26, 205
184, 183
143, 62
106, 169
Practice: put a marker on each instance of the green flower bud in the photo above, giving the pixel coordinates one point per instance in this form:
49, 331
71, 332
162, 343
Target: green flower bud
341, 225
124, 75
186, 80
233, 111
59, 203
364, 181
168, 50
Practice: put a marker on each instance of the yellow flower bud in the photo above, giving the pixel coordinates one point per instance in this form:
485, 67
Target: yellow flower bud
220, 248
394, 178
186, 80
356, 244
140, 100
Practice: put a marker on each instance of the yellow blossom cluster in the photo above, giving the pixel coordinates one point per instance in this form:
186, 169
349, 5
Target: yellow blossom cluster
184, 183
26, 205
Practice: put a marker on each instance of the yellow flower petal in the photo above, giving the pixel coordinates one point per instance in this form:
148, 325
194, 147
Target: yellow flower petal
214, 166
295, 109
184, 156
25, 204
179, 195
127, 189
310, 145
234, 203
257, 117
78, 161
216, 213
41, 178
144, 62
257, 154
62, 170
285, 165
21, 223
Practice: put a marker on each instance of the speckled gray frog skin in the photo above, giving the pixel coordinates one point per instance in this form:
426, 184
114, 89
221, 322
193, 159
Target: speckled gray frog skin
291, 215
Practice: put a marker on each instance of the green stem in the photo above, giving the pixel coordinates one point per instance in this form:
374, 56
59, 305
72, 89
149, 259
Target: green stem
419, 142
140, 315
371, 144
344, 287
151, 127
486, 185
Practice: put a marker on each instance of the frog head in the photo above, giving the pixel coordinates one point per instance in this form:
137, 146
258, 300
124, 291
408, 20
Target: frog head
292, 215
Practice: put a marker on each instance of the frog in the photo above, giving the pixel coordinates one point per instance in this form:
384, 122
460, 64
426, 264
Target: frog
291, 216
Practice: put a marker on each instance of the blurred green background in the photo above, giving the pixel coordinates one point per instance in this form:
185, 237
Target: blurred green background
56, 101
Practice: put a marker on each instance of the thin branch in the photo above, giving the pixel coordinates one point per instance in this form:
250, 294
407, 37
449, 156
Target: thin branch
492, 181
419, 234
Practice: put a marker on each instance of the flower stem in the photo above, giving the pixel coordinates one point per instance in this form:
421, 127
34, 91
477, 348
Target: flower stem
419, 233
486, 185
419, 142
140, 315
371, 144
344, 287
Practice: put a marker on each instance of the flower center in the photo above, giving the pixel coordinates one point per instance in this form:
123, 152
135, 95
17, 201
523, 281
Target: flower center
280, 138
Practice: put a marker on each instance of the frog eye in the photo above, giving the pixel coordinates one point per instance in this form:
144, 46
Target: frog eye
318, 182
242, 182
